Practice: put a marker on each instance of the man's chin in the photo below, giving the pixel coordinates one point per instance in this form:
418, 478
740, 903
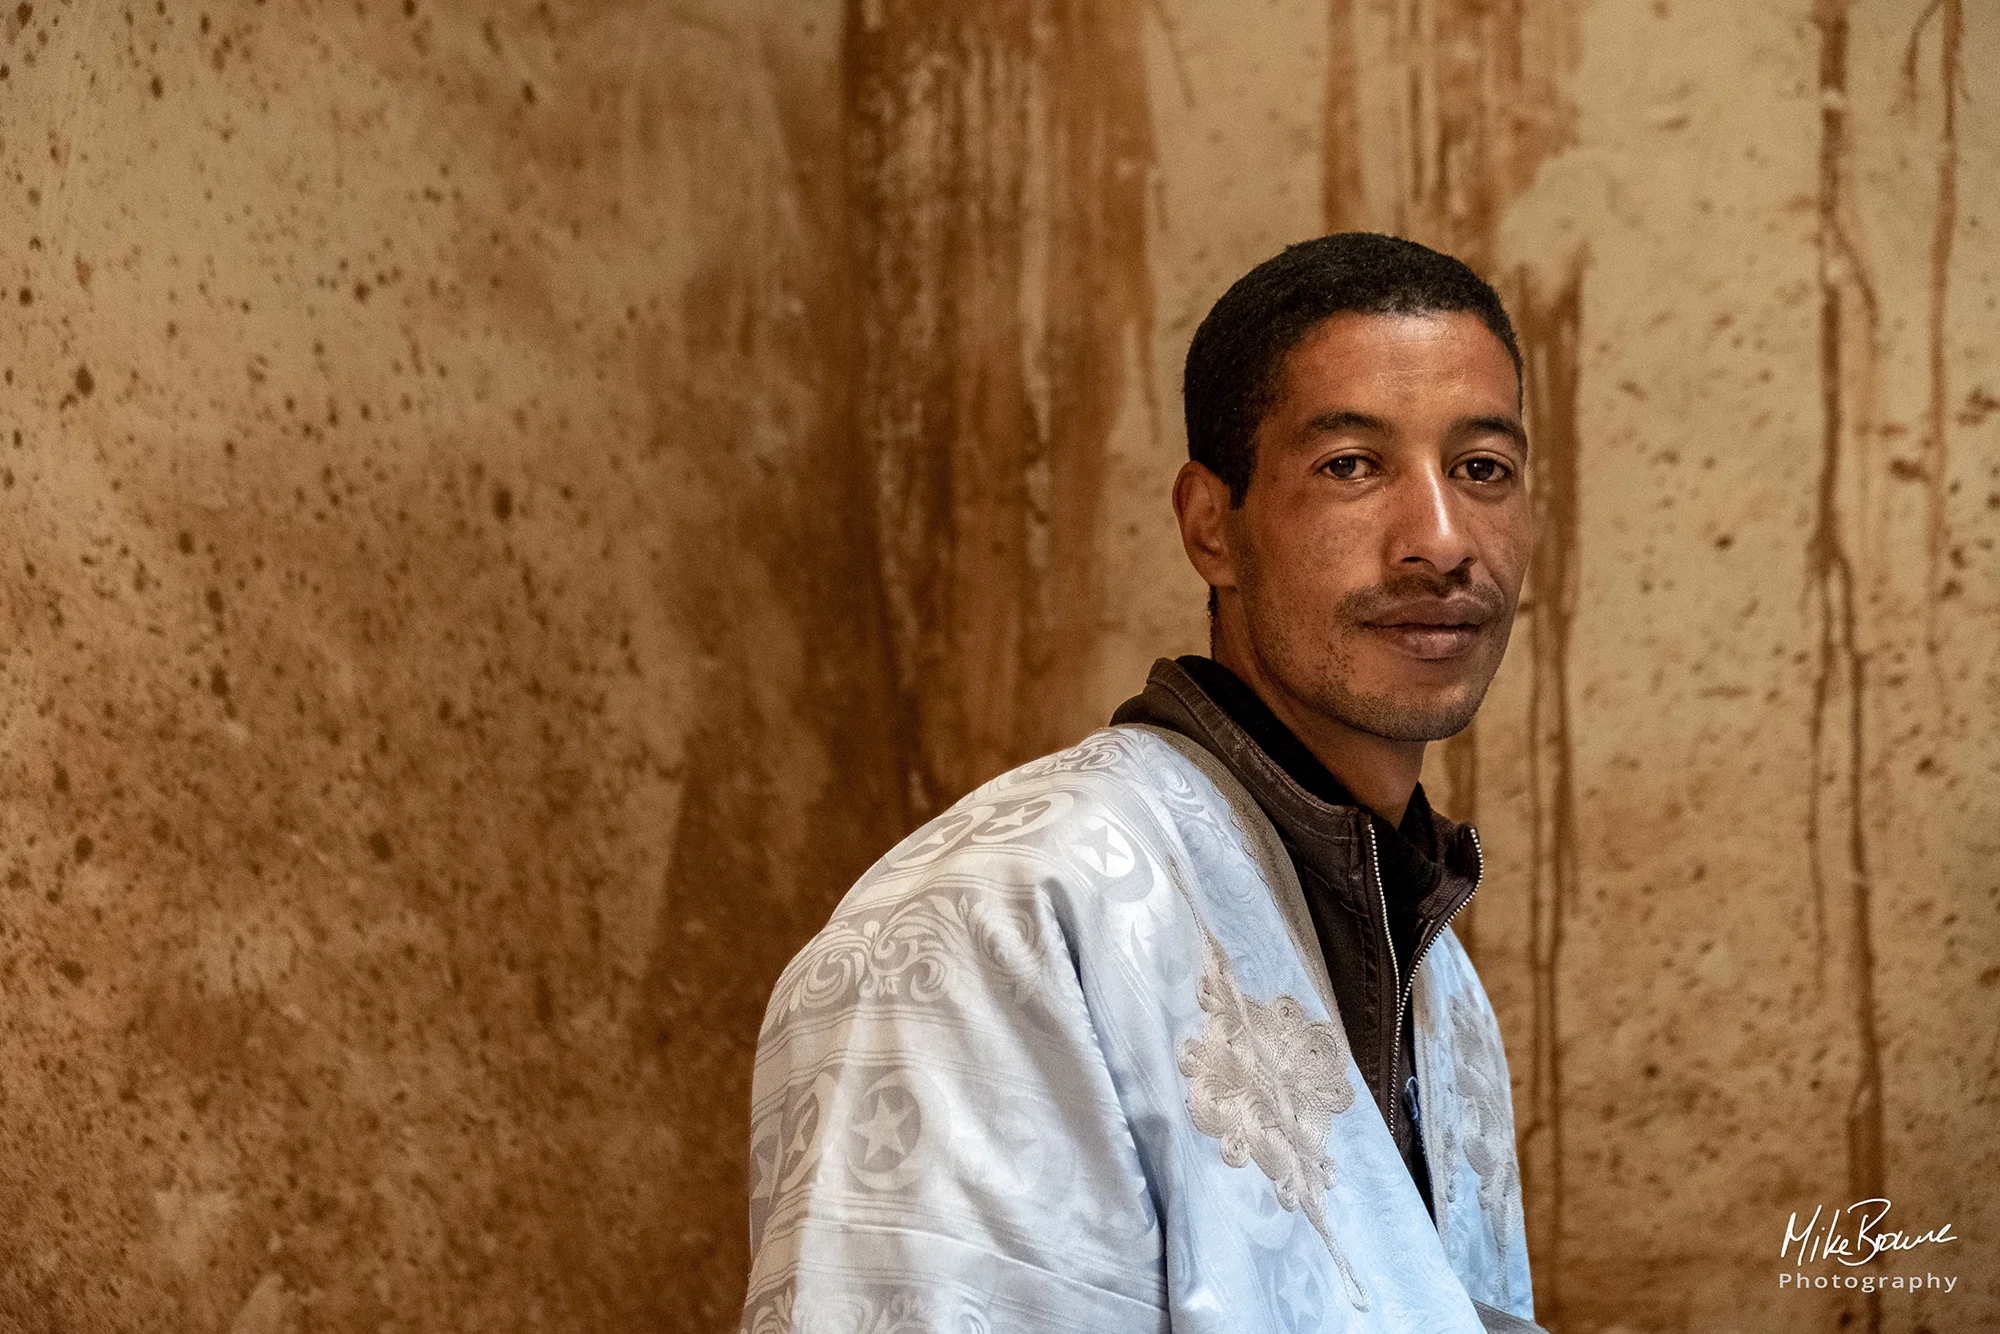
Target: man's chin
1404, 719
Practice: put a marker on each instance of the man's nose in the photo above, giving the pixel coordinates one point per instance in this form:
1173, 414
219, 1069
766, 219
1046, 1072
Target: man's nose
1425, 526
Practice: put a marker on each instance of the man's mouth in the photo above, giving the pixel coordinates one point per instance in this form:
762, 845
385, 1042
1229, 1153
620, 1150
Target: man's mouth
1432, 630
1431, 643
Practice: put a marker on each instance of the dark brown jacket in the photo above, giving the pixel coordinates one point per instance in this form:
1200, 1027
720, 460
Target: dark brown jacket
1379, 894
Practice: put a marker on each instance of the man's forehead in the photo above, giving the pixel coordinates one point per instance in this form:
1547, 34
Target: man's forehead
1368, 354
1458, 335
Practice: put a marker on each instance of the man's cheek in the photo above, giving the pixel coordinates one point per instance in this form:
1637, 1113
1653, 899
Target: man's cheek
1521, 547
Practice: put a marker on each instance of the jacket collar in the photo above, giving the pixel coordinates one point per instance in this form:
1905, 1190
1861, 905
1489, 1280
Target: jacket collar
1329, 832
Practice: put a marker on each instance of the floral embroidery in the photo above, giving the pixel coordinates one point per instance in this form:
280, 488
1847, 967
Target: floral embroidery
1486, 1130
1267, 1082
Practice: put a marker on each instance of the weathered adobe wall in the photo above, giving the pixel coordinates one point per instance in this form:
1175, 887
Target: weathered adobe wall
442, 678
508, 510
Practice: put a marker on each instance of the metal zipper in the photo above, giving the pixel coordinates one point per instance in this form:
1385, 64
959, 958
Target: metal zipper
1478, 878
1395, 971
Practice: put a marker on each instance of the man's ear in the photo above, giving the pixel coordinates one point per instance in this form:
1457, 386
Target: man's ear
1201, 504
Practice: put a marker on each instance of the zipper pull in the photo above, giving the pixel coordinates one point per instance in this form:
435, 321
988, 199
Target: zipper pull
1411, 1105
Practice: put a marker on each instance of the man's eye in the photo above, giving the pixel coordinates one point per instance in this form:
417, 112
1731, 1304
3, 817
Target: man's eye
1347, 467
1486, 470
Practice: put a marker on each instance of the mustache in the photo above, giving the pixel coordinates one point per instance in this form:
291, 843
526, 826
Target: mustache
1456, 591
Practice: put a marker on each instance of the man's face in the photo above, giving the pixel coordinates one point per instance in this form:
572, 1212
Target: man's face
1379, 551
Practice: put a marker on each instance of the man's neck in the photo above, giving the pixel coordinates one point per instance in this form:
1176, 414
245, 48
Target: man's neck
1381, 773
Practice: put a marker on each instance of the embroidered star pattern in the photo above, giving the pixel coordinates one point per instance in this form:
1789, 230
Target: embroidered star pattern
883, 1130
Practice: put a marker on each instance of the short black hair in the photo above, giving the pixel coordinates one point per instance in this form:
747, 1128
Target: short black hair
1237, 358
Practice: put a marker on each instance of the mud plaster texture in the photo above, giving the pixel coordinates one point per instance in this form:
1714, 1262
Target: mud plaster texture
506, 510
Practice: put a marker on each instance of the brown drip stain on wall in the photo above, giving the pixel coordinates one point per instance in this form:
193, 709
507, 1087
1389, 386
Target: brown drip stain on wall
1343, 200
1937, 458
1480, 103
780, 811
1840, 675
1000, 157
1550, 325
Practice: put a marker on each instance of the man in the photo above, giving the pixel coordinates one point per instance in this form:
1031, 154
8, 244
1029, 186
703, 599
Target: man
1168, 1031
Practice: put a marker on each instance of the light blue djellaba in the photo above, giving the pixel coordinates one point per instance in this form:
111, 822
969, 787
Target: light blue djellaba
1066, 1059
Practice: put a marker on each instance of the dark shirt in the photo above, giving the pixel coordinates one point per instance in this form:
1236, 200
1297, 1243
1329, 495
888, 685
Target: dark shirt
1426, 869
1408, 851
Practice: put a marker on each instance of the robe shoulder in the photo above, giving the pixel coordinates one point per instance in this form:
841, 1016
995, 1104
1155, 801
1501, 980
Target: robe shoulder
1042, 840
935, 1130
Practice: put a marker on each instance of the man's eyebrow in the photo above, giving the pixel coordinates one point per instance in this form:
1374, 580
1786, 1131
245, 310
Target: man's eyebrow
1507, 426
1328, 423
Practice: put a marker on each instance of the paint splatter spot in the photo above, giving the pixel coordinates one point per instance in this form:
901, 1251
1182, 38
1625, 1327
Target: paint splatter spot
84, 847
85, 381
378, 843
503, 503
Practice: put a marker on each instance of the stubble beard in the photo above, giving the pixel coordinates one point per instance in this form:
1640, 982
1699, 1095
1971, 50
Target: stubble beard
1316, 666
